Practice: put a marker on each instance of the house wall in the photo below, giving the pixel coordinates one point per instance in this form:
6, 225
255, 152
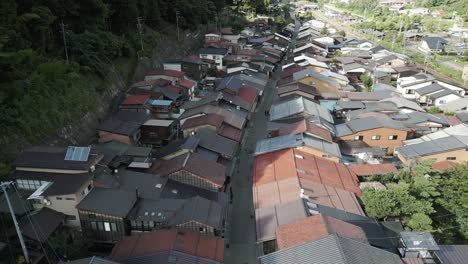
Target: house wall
445, 99
384, 142
194, 71
94, 226
217, 58
188, 131
320, 85
172, 66
457, 89
186, 177
231, 38
66, 204
460, 156
106, 137
319, 153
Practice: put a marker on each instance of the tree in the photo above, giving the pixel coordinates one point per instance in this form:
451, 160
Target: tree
420, 222
69, 243
367, 82
341, 33
324, 31
434, 110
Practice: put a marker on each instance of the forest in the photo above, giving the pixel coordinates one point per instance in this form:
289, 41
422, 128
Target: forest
40, 91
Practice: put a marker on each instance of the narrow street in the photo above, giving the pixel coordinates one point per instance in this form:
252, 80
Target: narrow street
241, 228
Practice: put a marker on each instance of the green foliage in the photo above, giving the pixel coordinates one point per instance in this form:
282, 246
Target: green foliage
324, 31
420, 222
434, 110
367, 82
341, 33
385, 178
69, 243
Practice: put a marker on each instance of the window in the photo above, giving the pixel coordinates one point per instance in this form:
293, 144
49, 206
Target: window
358, 137
375, 137
409, 91
89, 187
393, 137
92, 216
451, 158
71, 217
70, 199
100, 226
113, 226
93, 226
59, 198
107, 227
326, 156
442, 102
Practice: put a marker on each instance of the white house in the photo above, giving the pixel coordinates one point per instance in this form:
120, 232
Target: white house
325, 40
432, 44
443, 97
215, 54
407, 86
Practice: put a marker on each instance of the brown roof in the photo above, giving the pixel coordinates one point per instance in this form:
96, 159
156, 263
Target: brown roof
306, 127
194, 163
230, 132
373, 169
214, 120
314, 228
443, 165
288, 72
284, 164
453, 120
148, 243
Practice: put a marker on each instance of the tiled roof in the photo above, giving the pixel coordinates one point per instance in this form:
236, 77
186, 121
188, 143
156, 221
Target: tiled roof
443, 165
171, 73
440, 145
193, 163
229, 117
288, 72
46, 220
187, 83
174, 88
231, 132
248, 94
373, 169
306, 127
331, 249
149, 243
285, 164
136, 100
214, 120
217, 143
314, 228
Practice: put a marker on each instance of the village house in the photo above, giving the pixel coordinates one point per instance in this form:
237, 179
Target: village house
123, 126
215, 54
432, 44
376, 132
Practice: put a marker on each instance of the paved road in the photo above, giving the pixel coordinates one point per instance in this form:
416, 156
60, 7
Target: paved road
240, 235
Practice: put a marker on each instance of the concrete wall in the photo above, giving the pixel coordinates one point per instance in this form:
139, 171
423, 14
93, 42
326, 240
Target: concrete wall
384, 142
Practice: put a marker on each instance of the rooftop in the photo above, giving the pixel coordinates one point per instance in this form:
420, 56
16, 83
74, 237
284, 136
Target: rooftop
171, 73
368, 123
149, 243
214, 120
373, 169
435, 146
313, 228
112, 202
298, 105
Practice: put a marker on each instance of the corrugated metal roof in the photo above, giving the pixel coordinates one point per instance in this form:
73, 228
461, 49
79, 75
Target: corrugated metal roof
434, 146
331, 249
296, 106
453, 254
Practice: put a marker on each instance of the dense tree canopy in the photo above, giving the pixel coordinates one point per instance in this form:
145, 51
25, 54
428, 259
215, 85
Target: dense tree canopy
425, 200
39, 91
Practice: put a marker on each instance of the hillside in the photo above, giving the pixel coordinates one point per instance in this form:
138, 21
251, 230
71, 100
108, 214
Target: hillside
40, 92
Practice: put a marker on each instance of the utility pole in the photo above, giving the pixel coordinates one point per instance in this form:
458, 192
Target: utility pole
393, 41
18, 231
140, 32
62, 29
177, 22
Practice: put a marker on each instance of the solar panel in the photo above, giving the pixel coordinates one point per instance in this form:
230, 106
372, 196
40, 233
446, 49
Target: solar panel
77, 153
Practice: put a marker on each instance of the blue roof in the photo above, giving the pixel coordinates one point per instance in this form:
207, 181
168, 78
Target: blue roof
159, 102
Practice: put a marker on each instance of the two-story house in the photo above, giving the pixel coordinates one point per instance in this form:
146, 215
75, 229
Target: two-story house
215, 54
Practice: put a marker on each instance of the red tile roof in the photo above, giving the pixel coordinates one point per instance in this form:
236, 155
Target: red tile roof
284, 164
147, 243
187, 83
175, 89
373, 169
136, 100
288, 72
306, 127
443, 165
171, 73
248, 94
314, 228
453, 120
194, 163
162, 82
208, 119
230, 132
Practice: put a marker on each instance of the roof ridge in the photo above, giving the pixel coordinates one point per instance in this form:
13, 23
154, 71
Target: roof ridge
336, 238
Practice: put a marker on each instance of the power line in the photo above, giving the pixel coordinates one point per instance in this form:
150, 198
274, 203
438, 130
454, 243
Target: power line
62, 29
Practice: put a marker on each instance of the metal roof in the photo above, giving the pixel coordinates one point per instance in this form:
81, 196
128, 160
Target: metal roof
419, 241
401, 102
108, 201
296, 106
331, 249
455, 105
367, 123
434, 87
461, 130
434, 146
453, 254
278, 143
